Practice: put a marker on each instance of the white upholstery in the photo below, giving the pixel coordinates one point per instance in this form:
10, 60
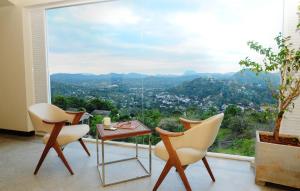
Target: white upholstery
186, 155
69, 134
193, 145
48, 112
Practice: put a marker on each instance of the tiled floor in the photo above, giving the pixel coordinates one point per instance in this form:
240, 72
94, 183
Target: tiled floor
18, 157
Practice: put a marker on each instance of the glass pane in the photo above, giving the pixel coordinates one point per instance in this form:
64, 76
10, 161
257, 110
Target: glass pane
156, 61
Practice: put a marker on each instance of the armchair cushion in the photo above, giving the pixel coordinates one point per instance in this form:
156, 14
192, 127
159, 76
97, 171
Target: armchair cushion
185, 155
201, 136
69, 134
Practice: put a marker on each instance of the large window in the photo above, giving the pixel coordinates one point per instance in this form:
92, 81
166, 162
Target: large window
156, 61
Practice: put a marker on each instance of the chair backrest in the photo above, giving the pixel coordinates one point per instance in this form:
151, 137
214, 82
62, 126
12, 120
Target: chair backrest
202, 135
45, 111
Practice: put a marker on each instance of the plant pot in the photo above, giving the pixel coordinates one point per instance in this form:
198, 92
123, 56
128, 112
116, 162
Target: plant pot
277, 163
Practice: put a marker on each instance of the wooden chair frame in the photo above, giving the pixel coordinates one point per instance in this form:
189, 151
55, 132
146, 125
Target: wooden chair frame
52, 141
187, 124
174, 161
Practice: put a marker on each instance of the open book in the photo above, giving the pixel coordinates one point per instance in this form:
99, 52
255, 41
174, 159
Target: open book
127, 125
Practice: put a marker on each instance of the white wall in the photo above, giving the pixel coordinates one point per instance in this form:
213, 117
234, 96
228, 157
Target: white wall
16, 60
291, 121
13, 96
5, 3
291, 20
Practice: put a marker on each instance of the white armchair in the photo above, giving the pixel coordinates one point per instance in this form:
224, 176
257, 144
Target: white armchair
51, 120
185, 148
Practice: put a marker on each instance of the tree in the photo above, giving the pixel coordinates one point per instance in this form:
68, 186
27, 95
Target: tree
93, 125
75, 102
287, 61
208, 113
170, 124
60, 101
233, 110
100, 104
150, 118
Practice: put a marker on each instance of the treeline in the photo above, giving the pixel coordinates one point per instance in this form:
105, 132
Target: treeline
236, 135
226, 91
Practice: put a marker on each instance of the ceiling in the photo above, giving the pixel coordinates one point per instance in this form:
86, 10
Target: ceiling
26, 3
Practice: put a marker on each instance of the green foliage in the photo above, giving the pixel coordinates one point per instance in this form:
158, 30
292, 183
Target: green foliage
89, 106
234, 137
237, 124
263, 117
238, 129
74, 102
93, 124
100, 104
245, 146
151, 118
240, 147
233, 110
208, 96
208, 113
60, 101
170, 124
286, 60
82, 104
224, 134
228, 91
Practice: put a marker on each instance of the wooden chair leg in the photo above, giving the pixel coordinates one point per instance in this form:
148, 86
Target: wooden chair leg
50, 143
62, 157
182, 175
184, 167
43, 156
208, 169
163, 174
84, 147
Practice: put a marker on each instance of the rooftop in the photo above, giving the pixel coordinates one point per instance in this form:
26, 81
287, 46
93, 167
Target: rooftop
22, 153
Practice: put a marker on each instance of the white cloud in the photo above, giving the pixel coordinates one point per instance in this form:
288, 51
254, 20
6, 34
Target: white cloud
222, 29
217, 32
98, 63
105, 13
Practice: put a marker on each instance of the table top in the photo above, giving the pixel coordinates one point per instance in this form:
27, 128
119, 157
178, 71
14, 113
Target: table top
141, 129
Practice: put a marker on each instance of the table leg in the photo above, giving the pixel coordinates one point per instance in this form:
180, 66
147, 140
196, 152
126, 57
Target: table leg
103, 163
136, 147
150, 155
97, 147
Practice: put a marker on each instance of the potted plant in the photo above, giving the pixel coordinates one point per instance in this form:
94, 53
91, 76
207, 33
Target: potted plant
277, 157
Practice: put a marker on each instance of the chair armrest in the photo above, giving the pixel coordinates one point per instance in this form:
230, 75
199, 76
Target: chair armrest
58, 125
77, 116
54, 122
187, 123
166, 137
183, 120
168, 133
75, 112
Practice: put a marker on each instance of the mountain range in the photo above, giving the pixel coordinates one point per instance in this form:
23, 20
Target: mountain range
211, 89
155, 81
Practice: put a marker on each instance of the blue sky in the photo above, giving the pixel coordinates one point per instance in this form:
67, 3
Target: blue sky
159, 36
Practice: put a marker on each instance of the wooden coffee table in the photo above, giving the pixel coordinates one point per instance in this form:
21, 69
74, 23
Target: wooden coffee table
106, 135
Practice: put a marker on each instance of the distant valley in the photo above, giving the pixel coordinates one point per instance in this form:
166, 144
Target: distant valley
170, 92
